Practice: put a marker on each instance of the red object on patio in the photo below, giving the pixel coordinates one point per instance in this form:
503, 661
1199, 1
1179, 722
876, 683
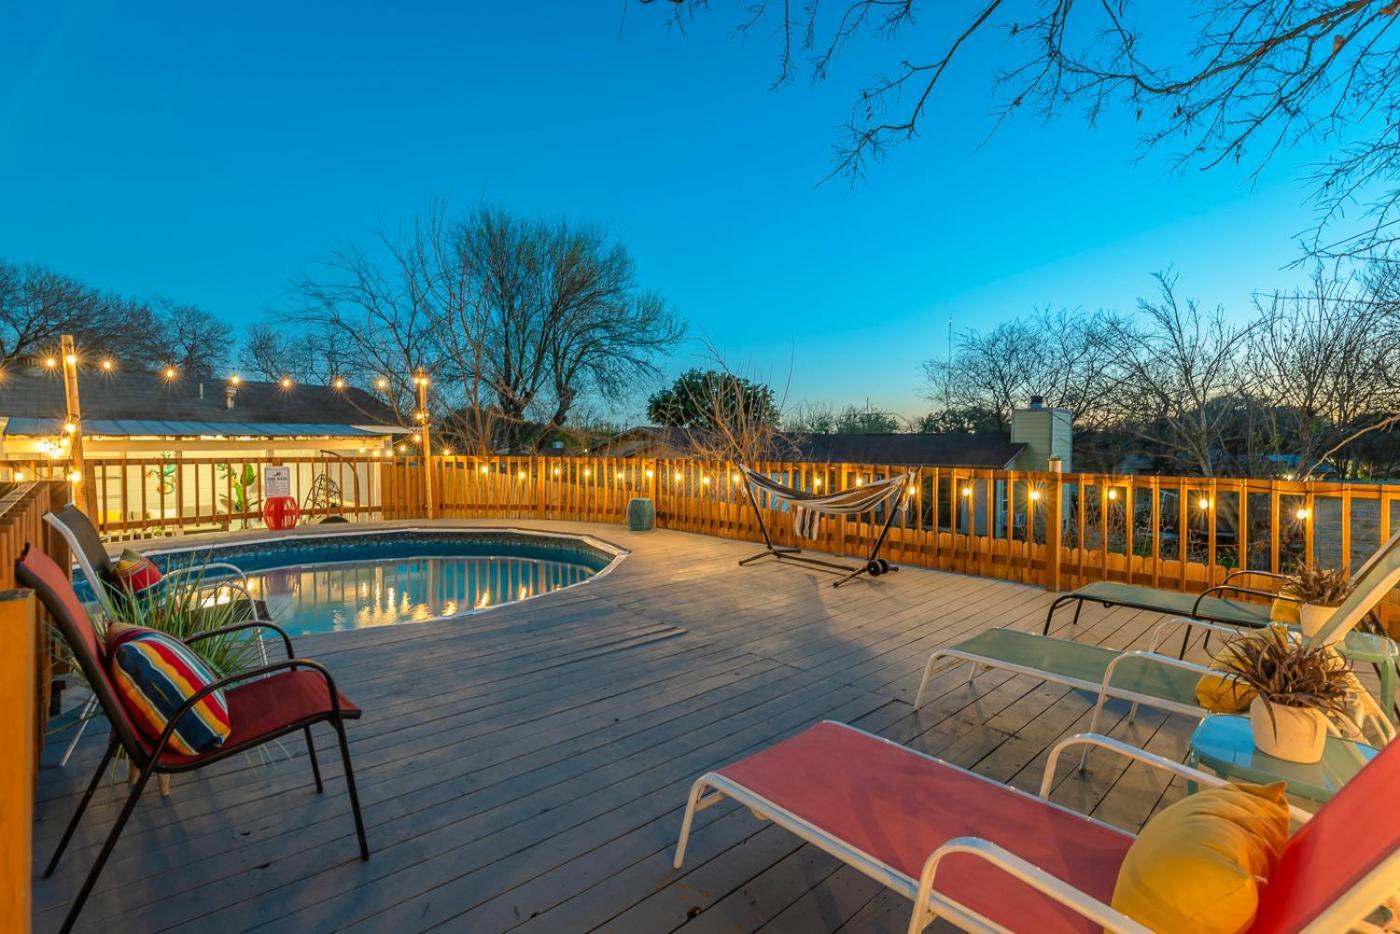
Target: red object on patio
899, 808
280, 512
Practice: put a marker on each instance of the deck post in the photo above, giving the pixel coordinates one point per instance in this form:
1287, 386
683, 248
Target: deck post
429, 468
20, 720
1054, 531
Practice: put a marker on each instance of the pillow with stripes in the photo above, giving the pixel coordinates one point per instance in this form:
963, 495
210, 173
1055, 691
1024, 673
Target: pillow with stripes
155, 674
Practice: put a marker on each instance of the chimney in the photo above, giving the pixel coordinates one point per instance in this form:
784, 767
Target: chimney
1037, 402
1047, 434
230, 391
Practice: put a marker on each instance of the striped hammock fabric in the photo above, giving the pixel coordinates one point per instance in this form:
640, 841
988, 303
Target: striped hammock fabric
808, 508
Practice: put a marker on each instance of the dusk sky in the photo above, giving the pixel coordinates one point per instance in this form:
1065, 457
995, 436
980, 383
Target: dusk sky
207, 153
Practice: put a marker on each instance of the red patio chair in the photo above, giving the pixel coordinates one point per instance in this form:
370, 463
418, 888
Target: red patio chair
988, 857
264, 703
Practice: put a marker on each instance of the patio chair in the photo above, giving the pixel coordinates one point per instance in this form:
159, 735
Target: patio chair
264, 704
988, 857
1146, 676
1205, 605
92, 559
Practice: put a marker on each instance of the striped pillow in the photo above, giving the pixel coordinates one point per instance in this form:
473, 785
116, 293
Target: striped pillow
135, 573
155, 674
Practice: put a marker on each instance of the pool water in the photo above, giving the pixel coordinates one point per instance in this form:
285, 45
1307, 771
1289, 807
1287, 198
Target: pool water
361, 594
330, 582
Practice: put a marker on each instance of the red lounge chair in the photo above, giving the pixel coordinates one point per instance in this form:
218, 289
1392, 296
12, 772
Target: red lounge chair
278, 699
988, 857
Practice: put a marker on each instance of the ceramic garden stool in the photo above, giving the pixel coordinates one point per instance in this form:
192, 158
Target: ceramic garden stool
641, 514
1224, 745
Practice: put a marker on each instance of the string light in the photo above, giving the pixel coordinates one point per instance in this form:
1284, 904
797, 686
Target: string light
70, 359
19, 476
235, 380
285, 382
587, 473
1203, 502
417, 436
705, 481
74, 476
338, 383
650, 473
619, 475
403, 448
69, 428
967, 491
817, 483
485, 469
446, 452
1035, 495
520, 475
555, 471
107, 364
1303, 513
50, 362
169, 372
1112, 494
381, 383
679, 476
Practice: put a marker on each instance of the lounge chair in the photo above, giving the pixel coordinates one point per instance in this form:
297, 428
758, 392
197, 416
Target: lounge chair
1211, 608
988, 857
264, 703
92, 559
1147, 676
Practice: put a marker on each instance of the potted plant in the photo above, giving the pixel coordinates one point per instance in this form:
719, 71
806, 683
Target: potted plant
1321, 591
1298, 689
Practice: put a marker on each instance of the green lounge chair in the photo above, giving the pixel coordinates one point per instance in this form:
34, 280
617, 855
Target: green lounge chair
1372, 648
1148, 677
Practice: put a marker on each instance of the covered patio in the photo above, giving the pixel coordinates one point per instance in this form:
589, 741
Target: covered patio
525, 769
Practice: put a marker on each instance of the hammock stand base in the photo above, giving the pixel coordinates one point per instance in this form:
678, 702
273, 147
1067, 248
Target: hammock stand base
788, 553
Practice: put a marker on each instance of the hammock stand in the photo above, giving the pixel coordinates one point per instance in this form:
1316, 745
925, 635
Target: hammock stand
879, 492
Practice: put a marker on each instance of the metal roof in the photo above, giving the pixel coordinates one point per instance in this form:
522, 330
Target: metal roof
130, 427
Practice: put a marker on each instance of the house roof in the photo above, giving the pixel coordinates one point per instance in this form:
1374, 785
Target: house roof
147, 404
980, 449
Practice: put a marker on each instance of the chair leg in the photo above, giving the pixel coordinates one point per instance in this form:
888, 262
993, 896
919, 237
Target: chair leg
82, 806
923, 683
83, 716
350, 784
315, 766
1185, 640
106, 851
1093, 728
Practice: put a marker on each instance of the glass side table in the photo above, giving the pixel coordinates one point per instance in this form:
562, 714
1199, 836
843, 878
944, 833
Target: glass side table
1224, 745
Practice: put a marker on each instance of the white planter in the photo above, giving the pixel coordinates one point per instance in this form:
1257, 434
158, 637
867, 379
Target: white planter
1296, 734
1312, 618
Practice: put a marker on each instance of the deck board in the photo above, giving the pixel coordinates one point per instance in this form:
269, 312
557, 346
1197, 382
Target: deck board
525, 769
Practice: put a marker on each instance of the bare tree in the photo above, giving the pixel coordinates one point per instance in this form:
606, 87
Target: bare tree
195, 341
1325, 359
1238, 81
508, 317
38, 305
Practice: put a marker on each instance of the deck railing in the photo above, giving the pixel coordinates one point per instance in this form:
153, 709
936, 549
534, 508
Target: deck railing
1048, 529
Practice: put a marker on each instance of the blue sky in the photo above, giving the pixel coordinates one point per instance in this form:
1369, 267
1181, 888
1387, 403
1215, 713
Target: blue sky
208, 152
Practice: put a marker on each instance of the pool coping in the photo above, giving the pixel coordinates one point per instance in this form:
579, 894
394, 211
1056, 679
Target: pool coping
618, 552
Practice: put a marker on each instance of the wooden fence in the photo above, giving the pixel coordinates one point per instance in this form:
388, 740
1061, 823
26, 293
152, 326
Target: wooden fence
1048, 529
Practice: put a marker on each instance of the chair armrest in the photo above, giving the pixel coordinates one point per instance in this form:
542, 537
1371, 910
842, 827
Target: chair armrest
1156, 659
1179, 769
248, 624
187, 569
1081, 903
1233, 588
229, 681
1170, 621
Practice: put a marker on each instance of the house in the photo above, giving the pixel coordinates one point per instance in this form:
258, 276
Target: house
145, 414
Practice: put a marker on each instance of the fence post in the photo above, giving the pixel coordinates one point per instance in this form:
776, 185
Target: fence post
20, 719
1054, 531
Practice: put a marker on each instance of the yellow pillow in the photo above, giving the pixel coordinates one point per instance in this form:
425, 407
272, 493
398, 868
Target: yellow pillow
1198, 865
1284, 611
1220, 694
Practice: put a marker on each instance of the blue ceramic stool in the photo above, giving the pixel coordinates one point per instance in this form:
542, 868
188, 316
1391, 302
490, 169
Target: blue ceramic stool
641, 514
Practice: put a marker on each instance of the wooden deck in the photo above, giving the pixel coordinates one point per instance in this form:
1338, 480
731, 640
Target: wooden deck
525, 769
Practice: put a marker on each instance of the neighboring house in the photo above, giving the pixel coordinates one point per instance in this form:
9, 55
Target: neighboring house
195, 440
1036, 434
143, 414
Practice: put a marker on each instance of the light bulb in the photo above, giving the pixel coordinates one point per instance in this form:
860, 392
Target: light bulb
338, 382
235, 380
70, 359
1303, 513
285, 382
107, 364
967, 491
1112, 494
1203, 503
1035, 495
381, 383
50, 362
169, 373
485, 469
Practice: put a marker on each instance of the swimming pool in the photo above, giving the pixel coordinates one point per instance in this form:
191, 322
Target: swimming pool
356, 580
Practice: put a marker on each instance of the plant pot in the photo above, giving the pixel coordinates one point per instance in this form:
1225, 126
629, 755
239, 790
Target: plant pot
1313, 617
1295, 734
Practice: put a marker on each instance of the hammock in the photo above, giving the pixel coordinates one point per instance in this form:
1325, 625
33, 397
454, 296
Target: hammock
808, 508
